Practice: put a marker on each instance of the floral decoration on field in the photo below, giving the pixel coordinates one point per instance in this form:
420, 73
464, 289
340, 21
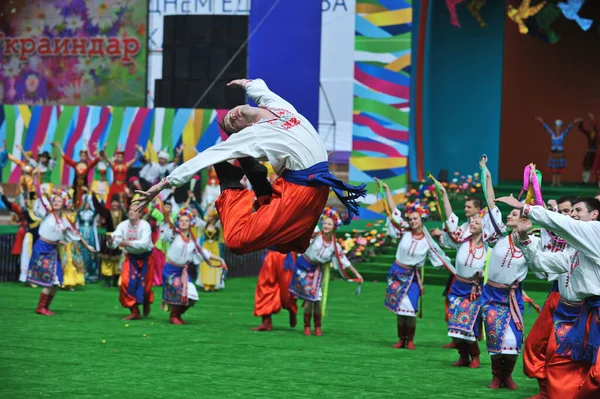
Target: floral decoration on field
361, 245
73, 79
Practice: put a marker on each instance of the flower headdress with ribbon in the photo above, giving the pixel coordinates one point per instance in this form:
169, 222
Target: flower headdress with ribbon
419, 207
59, 192
186, 212
333, 214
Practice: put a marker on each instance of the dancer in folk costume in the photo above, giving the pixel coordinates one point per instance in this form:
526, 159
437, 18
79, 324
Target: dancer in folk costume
26, 184
276, 132
82, 169
120, 169
307, 278
179, 292
576, 356
465, 292
210, 277
71, 254
272, 289
100, 185
591, 163
503, 295
211, 191
557, 162
404, 279
454, 234
45, 267
171, 208
44, 165
110, 258
87, 224
536, 343
134, 236
27, 234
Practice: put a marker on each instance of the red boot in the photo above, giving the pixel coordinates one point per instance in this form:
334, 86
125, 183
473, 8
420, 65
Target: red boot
42, 303
293, 319
410, 335
543, 394
401, 335
48, 311
307, 317
508, 366
318, 331
266, 325
135, 313
450, 345
175, 316
497, 372
474, 352
463, 351
146, 308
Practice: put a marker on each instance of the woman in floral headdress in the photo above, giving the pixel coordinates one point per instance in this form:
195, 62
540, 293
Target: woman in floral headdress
210, 277
179, 293
71, 254
404, 278
45, 267
308, 272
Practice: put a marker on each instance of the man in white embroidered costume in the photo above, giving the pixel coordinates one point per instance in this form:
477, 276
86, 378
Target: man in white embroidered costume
579, 348
289, 210
134, 236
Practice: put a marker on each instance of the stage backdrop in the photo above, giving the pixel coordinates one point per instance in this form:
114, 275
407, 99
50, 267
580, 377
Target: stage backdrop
73, 52
35, 127
336, 61
381, 97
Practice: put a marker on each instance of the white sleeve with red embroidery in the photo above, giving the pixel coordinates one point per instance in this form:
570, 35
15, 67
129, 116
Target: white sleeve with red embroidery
547, 262
397, 218
334, 261
144, 240
259, 92
71, 235
583, 236
238, 145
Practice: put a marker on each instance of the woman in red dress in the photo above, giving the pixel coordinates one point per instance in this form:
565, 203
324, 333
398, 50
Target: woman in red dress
120, 169
82, 170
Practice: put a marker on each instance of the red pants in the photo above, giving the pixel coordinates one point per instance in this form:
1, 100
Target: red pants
564, 375
127, 301
536, 344
590, 389
287, 222
272, 290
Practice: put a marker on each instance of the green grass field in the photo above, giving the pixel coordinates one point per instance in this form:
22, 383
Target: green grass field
87, 351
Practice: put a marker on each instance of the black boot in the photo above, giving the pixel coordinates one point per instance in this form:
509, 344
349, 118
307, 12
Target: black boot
115, 280
229, 176
257, 175
107, 280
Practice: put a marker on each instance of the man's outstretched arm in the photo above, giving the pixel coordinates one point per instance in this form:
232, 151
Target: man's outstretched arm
259, 92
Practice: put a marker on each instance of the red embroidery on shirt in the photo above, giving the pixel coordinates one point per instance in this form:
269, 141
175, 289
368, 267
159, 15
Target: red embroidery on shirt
285, 119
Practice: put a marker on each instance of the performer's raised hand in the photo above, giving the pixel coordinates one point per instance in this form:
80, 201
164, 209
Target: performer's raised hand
436, 233
577, 120
238, 82
146, 197
511, 201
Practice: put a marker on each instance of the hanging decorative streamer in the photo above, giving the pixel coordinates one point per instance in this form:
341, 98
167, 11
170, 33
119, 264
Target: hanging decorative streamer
522, 13
474, 7
451, 4
544, 20
571, 11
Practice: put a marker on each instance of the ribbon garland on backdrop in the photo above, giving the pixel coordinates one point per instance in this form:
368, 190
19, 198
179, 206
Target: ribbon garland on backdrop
474, 8
571, 11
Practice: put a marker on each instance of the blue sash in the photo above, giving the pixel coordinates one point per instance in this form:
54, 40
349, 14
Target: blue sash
318, 175
137, 276
574, 341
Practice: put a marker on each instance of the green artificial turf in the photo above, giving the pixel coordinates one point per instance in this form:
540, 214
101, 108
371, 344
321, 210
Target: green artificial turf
216, 354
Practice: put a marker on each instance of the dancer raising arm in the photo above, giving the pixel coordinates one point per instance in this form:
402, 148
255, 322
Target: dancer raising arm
404, 279
502, 297
465, 293
276, 132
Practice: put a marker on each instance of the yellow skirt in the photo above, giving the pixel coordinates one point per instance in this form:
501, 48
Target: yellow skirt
73, 271
211, 276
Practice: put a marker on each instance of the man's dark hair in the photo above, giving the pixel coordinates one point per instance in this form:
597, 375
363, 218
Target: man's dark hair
476, 201
591, 203
566, 198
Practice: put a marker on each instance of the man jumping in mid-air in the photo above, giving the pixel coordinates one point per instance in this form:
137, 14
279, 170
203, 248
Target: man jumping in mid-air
291, 207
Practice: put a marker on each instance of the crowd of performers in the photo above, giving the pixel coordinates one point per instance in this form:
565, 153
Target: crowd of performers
486, 298
282, 215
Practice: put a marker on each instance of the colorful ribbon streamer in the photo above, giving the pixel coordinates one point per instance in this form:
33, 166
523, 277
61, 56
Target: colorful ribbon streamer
439, 195
531, 185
